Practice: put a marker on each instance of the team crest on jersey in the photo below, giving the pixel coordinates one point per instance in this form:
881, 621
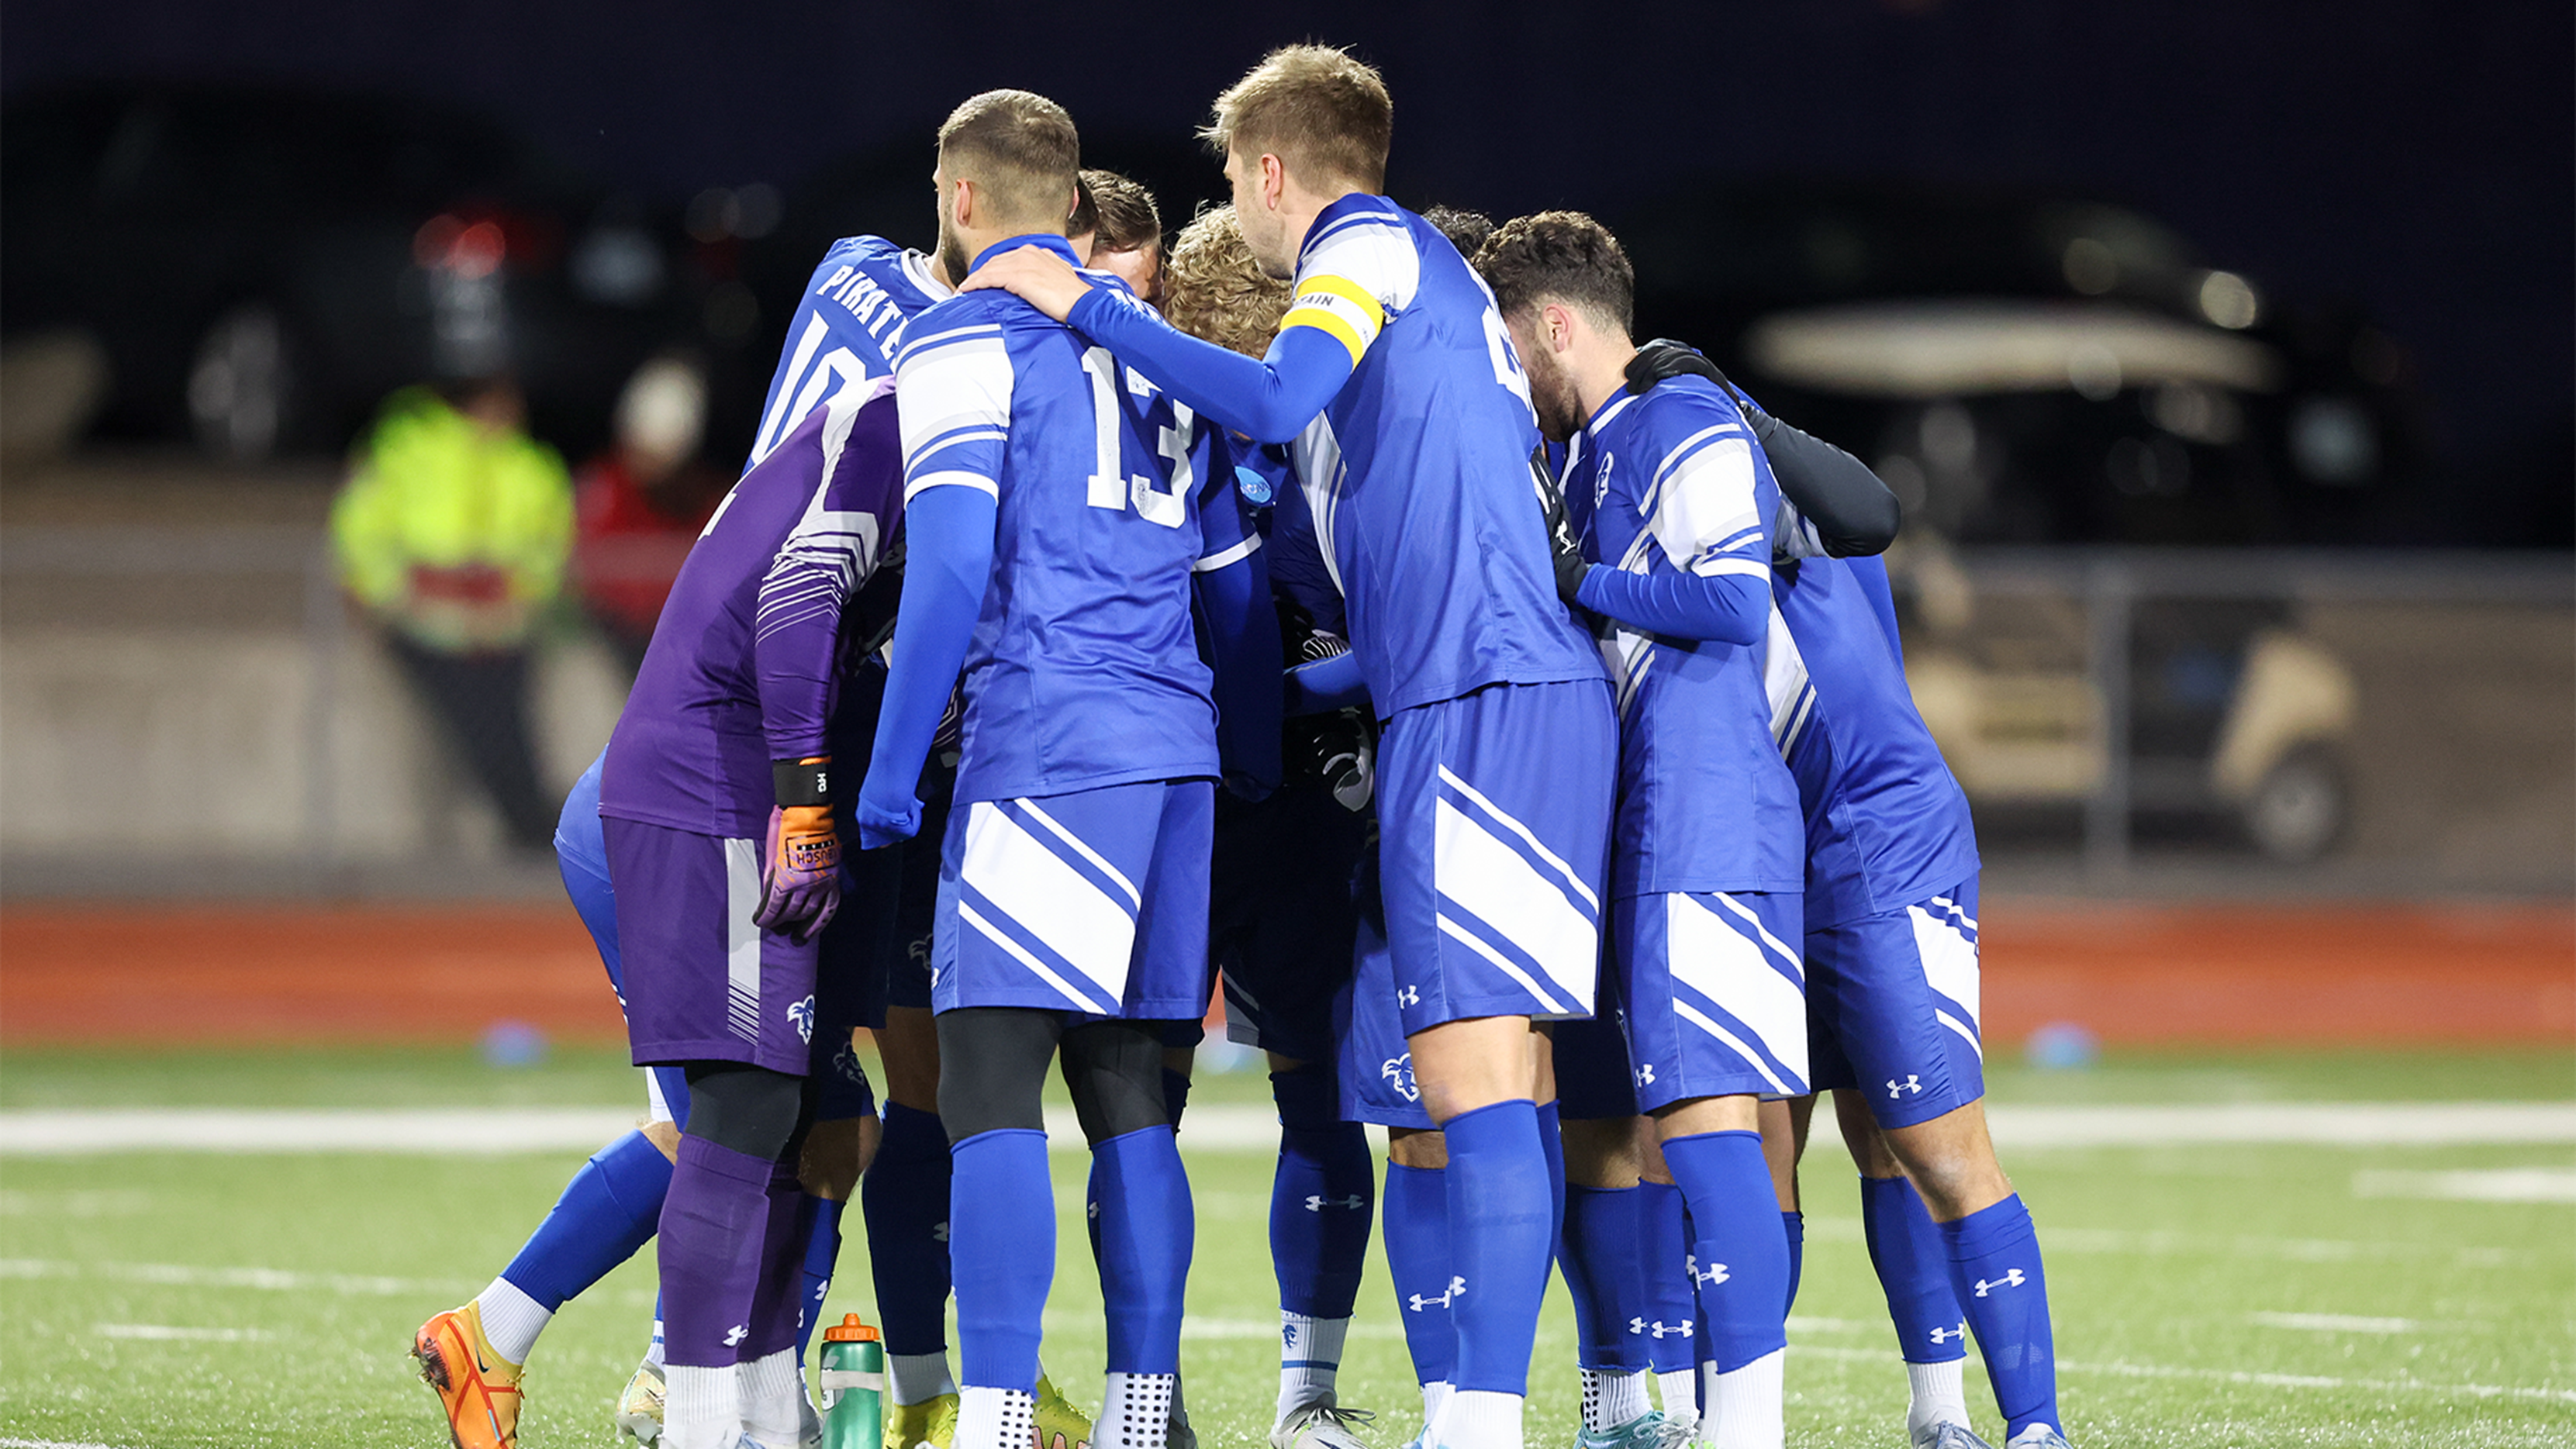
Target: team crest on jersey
802, 1014
1398, 1073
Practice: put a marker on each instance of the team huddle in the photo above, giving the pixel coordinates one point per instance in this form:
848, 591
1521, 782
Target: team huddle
1338, 605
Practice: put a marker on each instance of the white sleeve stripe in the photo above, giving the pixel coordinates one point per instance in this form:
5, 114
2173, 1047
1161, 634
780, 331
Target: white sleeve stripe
952, 438
1744, 537
1748, 568
914, 346
1694, 444
1388, 219
1227, 557
954, 478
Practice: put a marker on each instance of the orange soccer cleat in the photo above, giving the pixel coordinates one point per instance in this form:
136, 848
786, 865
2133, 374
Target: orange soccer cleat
477, 1387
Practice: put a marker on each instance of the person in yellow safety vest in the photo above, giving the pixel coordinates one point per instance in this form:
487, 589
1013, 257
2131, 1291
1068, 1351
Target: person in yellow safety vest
453, 533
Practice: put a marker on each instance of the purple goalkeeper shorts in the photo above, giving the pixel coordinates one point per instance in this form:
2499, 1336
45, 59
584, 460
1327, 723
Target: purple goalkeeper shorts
702, 982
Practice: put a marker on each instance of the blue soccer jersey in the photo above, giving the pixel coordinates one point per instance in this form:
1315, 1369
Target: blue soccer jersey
1415, 465
1887, 826
845, 331
1083, 671
1674, 484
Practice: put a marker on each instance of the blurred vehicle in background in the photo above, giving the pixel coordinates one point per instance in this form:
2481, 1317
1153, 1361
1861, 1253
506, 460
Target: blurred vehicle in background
2040, 369
2049, 370
260, 265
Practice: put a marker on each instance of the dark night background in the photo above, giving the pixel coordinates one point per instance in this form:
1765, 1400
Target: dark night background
2415, 159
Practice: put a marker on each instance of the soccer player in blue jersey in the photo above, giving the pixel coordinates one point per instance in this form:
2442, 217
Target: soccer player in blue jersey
1893, 1002
1668, 519
1396, 382
1062, 512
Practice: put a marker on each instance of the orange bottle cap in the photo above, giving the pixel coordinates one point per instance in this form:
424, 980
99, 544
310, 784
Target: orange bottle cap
850, 1330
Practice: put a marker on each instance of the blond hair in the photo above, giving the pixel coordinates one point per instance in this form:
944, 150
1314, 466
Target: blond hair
1214, 290
1315, 107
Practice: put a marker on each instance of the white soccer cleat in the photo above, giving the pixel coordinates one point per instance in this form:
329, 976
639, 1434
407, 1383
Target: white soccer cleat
1950, 1436
1320, 1425
2039, 1436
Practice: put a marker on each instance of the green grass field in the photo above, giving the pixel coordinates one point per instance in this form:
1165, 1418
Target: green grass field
2234, 1295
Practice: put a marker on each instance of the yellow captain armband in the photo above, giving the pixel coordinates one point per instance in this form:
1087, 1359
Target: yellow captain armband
1339, 308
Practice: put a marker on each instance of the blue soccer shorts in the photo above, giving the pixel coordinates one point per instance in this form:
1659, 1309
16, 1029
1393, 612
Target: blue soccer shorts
1094, 902
1375, 1063
1892, 1000
1493, 844
1715, 997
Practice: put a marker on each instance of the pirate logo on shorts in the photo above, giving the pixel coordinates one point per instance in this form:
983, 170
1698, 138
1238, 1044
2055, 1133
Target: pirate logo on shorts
1398, 1073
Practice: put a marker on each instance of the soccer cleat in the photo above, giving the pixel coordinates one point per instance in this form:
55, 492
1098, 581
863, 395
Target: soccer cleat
1060, 1424
1950, 1436
639, 1409
930, 1424
477, 1387
1649, 1430
2038, 1436
1320, 1425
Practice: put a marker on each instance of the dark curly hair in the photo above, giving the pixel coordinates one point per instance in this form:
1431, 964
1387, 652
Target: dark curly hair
1565, 256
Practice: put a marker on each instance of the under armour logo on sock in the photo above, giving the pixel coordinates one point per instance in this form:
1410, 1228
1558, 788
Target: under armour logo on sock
1457, 1286
734, 1335
1715, 1275
1912, 1084
1951, 1335
1354, 1202
2012, 1278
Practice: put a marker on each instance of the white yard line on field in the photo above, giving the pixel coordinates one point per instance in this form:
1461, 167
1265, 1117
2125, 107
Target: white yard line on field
2333, 1323
182, 1275
1230, 1127
2485, 1184
171, 1333
2241, 1376
51, 1444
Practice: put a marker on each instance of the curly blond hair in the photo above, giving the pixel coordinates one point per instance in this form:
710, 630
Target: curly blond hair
1214, 290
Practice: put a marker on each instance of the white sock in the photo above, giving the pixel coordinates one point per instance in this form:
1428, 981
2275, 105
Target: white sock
1310, 1354
1435, 1397
1679, 1390
772, 1392
701, 1408
917, 1378
653, 1350
995, 1419
1612, 1397
1135, 1412
1481, 1419
1938, 1395
1744, 1409
511, 1319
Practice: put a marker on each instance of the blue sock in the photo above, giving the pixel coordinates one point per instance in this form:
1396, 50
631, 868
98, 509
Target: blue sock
1500, 1220
607, 1212
822, 1251
1551, 1140
1001, 1219
1417, 1259
1740, 1259
1913, 1271
1793, 1226
1672, 1318
1146, 1233
1994, 1269
1321, 1198
1605, 1271
904, 1198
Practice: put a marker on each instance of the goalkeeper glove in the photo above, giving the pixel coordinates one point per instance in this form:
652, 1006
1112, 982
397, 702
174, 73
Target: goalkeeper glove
800, 870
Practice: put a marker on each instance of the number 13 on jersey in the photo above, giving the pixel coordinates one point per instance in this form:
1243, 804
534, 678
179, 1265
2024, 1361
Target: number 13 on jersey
1112, 485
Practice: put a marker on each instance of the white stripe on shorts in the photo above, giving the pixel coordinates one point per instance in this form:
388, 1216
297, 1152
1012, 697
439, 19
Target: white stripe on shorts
1050, 900
1497, 885
1950, 965
742, 938
1711, 954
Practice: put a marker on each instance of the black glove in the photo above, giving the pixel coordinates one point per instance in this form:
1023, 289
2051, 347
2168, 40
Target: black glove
1662, 357
1564, 552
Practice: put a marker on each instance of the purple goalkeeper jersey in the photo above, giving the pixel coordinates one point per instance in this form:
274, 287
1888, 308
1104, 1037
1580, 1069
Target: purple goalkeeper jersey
744, 665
